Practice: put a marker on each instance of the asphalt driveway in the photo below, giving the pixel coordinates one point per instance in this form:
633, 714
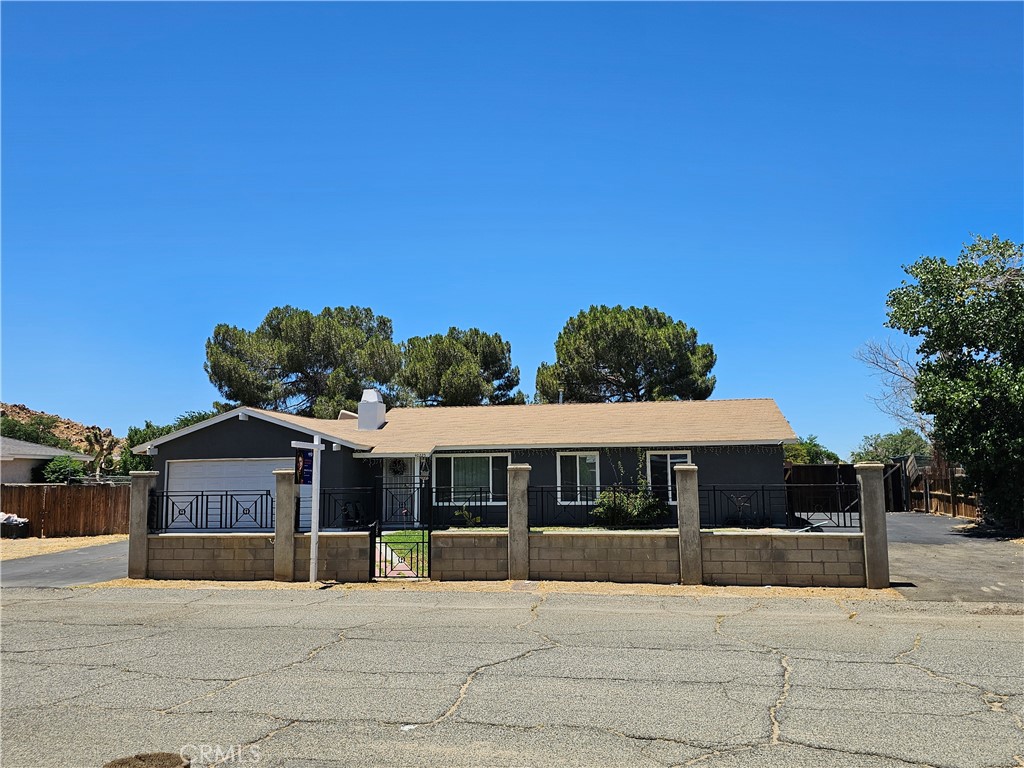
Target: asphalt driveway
74, 567
930, 560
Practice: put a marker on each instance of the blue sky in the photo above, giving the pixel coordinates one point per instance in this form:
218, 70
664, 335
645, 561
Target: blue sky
758, 171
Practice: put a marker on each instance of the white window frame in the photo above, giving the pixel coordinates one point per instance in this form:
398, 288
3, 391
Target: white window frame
558, 473
671, 476
490, 476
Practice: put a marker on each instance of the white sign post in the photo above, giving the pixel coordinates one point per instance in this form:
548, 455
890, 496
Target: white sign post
314, 528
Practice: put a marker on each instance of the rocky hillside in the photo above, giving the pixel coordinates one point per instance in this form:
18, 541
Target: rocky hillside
64, 428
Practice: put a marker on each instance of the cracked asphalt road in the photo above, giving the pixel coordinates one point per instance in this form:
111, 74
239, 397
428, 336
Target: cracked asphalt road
392, 678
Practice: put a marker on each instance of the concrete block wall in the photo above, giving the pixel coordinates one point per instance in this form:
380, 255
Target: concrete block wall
468, 556
250, 557
224, 556
343, 557
650, 557
732, 558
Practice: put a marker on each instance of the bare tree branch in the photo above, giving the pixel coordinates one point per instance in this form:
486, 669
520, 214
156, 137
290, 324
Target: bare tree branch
896, 369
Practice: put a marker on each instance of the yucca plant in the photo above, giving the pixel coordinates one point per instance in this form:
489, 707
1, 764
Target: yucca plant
101, 447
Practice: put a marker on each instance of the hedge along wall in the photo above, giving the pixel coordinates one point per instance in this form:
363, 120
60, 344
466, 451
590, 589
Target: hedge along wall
737, 558
250, 557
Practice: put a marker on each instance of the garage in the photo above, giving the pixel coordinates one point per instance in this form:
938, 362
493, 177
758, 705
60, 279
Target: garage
226, 494
224, 474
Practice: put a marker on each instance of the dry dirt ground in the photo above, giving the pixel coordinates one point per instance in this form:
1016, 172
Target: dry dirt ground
413, 586
12, 549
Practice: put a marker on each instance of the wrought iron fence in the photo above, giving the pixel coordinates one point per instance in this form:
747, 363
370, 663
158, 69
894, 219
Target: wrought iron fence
612, 506
342, 508
800, 506
211, 510
468, 506
403, 505
824, 506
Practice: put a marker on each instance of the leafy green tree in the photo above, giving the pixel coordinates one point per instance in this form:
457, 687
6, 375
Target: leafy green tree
608, 354
38, 429
314, 365
884, 447
60, 469
129, 462
810, 451
969, 318
460, 368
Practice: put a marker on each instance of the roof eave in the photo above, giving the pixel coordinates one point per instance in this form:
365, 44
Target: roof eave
143, 448
387, 454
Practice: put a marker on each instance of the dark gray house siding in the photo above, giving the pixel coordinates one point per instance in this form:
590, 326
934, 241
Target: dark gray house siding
257, 439
749, 465
717, 465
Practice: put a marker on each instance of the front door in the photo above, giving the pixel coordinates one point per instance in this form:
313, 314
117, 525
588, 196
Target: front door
400, 506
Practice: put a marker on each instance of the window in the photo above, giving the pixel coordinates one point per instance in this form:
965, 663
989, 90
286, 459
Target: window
660, 474
578, 478
478, 478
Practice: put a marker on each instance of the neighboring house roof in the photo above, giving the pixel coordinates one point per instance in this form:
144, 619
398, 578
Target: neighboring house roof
650, 424
21, 449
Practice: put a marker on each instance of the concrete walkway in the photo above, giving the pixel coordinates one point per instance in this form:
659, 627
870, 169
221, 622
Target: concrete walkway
391, 565
931, 560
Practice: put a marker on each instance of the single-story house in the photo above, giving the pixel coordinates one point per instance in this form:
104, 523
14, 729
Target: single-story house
20, 459
459, 456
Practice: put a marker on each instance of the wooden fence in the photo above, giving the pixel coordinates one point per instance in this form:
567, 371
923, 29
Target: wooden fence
943, 496
69, 510
846, 474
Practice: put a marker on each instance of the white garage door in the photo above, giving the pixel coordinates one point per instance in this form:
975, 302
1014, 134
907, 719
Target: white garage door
224, 494
224, 474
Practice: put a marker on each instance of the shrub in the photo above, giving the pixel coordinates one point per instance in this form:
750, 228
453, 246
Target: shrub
618, 507
60, 469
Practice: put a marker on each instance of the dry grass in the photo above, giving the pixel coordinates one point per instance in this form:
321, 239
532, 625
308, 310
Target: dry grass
539, 587
12, 549
982, 531
199, 584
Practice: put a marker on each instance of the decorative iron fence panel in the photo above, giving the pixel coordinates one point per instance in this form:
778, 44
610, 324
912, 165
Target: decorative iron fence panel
467, 506
181, 511
346, 508
791, 505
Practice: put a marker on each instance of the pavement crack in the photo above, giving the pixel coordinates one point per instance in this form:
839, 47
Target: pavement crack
773, 712
716, 753
464, 689
862, 753
233, 756
994, 702
312, 654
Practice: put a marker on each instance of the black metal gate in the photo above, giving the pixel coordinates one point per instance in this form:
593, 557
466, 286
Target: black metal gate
398, 517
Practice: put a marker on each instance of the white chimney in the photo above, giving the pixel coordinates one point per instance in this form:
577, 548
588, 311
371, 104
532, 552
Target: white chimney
371, 410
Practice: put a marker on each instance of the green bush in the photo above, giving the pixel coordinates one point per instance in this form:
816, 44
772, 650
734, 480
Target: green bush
60, 469
620, 508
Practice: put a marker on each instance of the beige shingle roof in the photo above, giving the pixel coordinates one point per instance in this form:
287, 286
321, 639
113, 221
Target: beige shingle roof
667, 423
